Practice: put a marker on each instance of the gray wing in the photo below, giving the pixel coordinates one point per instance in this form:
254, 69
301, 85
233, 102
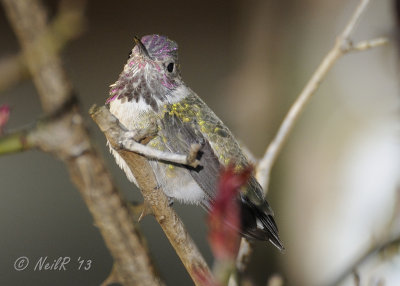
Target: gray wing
178, 137
257, 216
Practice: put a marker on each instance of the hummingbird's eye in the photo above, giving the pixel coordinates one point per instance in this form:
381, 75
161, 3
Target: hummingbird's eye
170, 67
130, 54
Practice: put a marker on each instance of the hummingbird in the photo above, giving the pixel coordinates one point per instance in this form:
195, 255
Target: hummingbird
150, 89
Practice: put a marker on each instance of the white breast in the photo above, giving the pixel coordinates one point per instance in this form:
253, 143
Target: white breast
138, 115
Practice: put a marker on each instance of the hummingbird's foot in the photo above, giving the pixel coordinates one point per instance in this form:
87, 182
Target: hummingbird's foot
201, 141
132, 134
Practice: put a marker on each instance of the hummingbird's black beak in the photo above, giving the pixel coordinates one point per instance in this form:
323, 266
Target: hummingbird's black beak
142, 49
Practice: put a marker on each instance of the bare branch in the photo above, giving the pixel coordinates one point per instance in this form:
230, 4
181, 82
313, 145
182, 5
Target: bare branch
244, 253
357, 278
155, 197
66, 136
366, 45
29, 19
242, 259
12, 71
140, 210
386, 241
340, 48
370, 252
362, 5
68, 25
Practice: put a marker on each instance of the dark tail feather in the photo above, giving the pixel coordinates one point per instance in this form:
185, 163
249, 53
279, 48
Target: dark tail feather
257, 224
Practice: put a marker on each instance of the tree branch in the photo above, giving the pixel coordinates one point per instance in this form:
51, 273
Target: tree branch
340, 48
67, 25
28, 19
243, 256
370, 252
66, 137
154, 196
366, 45
386, 241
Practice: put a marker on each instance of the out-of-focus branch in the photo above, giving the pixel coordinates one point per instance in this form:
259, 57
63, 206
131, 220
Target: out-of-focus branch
244, 253
29, 22
386, 241
342, 46
369, 253
15, 142
366, 45
154, 196
67, 25
12, 71
66, 137
242, 259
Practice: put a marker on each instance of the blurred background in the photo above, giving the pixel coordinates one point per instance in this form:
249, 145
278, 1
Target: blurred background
334, 188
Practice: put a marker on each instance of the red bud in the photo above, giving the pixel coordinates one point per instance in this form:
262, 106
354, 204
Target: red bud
4, 116
224, 217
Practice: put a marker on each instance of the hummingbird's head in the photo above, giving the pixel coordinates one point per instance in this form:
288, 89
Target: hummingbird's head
151, 74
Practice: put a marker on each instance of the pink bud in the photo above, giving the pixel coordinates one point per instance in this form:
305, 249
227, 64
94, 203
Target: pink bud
4, 116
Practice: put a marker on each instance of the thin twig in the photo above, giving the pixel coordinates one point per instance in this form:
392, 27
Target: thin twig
155, 197
264, 166
139, 211
362, 5
340, 48
366, 45
357, 278
242, 259
370, 252
386, 240
243, 256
